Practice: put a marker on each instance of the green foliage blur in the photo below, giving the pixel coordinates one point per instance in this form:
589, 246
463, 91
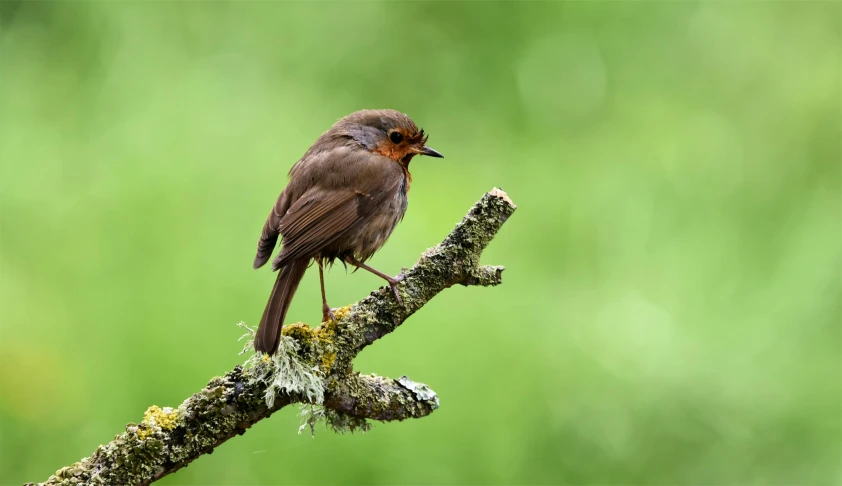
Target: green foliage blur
670, 312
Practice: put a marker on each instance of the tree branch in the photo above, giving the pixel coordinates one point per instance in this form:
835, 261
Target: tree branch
169, 439
378, 398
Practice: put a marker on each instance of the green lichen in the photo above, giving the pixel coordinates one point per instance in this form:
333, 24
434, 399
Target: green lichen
340, 423
421, 391
286, 372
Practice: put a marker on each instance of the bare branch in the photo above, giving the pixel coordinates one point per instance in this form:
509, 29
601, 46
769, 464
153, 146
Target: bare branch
168, 439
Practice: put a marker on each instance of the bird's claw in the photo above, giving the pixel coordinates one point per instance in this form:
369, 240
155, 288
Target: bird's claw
328, 315
393, 283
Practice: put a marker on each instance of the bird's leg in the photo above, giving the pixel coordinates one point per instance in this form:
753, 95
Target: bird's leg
393, 281
327, 314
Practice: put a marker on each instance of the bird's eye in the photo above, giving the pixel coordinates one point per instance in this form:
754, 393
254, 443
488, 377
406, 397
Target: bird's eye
396, 137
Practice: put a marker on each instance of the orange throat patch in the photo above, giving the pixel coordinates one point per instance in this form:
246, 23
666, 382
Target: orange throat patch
397, 153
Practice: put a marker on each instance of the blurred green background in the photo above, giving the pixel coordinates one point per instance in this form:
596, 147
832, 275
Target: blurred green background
670, 312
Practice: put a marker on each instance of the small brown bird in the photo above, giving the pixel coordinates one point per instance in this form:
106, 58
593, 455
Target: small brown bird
344, 198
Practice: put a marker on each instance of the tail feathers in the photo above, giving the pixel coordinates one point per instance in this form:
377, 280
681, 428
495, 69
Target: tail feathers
268, 335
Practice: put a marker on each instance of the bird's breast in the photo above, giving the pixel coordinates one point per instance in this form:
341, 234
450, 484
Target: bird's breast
376, 229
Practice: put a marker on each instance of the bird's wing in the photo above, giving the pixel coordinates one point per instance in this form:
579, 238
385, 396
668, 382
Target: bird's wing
315, 221
350, 185
271, 230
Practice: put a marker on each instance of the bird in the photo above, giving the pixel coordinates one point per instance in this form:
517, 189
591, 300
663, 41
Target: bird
343, 199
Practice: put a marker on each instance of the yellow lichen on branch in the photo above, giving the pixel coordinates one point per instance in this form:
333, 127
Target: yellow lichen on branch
156, 418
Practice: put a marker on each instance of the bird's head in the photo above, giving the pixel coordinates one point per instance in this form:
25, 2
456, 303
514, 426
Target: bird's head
386, 132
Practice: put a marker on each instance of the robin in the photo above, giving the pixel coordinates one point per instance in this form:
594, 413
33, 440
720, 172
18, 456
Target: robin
343, 200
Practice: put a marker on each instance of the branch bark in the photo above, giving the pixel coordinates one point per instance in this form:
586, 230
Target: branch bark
169, 439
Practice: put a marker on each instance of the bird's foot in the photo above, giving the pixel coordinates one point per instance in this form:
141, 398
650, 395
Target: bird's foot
393, 283
327, 314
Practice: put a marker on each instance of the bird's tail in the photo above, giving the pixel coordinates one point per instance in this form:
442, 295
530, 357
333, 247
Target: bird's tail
268, 335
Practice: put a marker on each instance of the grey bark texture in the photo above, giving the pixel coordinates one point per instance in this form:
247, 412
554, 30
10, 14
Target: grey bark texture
168, 439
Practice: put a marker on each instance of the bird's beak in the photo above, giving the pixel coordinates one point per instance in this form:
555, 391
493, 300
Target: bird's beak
431, 152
